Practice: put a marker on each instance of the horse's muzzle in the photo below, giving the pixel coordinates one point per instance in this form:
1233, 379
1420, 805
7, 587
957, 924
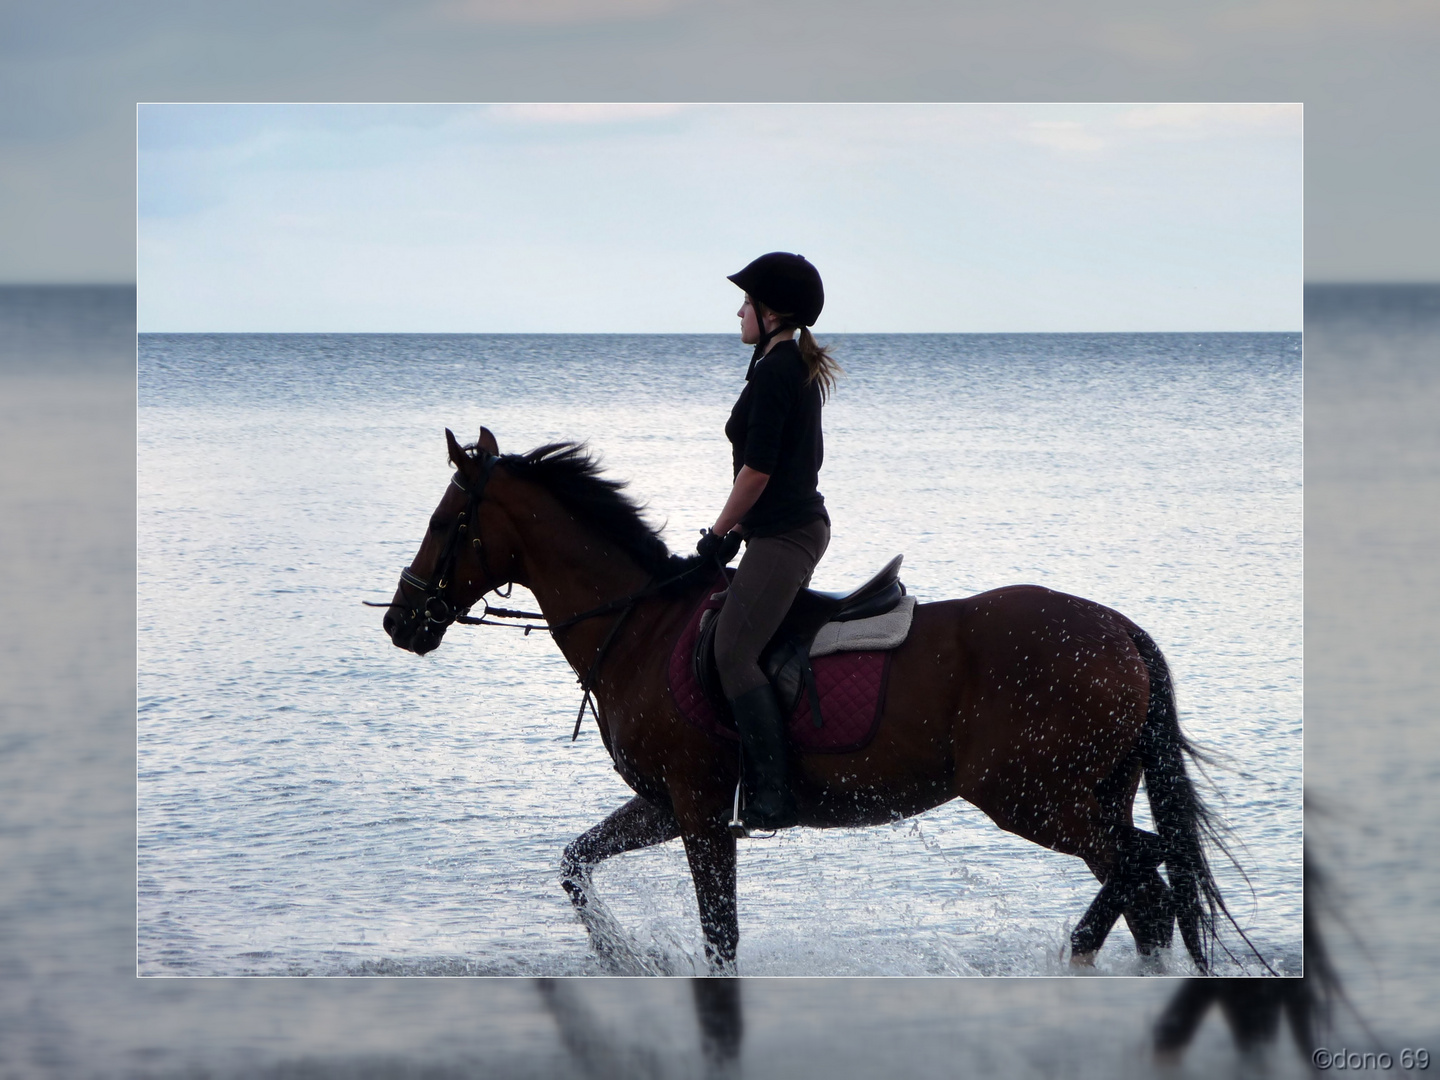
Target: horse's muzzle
412, 631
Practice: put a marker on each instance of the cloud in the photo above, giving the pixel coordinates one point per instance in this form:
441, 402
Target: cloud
1309, 15
1067, 136
594, 112
1195, 114
553, 12
71, 75
329, 219
1150, 43
1201, 120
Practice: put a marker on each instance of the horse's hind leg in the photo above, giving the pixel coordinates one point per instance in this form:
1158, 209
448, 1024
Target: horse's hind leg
1094, 926
1150, 914
1149, 909
1132, 888
637, 824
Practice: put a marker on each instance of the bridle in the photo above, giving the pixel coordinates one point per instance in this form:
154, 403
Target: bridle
430, 609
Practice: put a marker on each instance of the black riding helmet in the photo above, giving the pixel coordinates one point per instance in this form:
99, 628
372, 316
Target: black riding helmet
789, 285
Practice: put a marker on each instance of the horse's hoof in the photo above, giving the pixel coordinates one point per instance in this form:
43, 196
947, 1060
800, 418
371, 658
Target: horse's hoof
1084, 960
1150, 961
720, 967
575, 880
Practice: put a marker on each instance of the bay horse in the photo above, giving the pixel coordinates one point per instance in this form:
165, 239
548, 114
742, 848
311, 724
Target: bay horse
1041, 709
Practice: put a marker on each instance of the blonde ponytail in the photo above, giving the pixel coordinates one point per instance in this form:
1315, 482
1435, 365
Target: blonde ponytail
819, 364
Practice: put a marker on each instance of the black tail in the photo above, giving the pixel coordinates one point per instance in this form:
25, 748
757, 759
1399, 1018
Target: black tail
1186, 826
1314, 1008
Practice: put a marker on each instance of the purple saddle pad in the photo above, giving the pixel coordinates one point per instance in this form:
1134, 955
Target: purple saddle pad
851, 687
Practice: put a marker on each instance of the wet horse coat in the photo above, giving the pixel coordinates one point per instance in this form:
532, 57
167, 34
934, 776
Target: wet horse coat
1041, 709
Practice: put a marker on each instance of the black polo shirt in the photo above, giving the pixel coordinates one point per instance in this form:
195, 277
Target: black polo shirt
775, 429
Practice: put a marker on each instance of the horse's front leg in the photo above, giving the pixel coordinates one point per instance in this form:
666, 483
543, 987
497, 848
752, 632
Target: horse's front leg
711, 851
637, 824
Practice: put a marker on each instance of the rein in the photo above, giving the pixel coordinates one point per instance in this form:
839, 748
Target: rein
625, 605
435, 610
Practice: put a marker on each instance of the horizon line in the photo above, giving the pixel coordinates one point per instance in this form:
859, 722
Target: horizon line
669, 333
1306, 283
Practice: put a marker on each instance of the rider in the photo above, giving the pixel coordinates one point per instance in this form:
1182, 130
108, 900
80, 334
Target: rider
776, 447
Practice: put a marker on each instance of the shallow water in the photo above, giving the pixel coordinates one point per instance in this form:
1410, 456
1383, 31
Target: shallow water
314, 801
70, 1004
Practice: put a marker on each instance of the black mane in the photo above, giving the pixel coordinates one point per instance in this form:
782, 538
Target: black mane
569, 472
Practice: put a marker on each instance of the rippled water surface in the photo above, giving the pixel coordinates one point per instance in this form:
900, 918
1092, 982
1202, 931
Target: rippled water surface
314, 800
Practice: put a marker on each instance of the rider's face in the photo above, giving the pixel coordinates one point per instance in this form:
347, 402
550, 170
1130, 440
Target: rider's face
749, 322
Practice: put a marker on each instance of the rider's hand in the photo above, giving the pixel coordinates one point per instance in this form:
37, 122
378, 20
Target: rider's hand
715, 546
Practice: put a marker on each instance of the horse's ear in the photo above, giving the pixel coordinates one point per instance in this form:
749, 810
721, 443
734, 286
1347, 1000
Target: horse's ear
487, 442
458, 457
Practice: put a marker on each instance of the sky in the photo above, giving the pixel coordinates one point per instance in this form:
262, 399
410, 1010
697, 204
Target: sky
626, 217
71, 73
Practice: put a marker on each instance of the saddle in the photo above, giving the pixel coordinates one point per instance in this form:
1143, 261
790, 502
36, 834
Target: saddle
786, 659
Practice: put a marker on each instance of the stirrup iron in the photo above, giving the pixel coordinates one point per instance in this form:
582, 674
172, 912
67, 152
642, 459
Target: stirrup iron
735, 825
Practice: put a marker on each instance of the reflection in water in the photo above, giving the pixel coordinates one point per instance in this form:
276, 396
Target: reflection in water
70, 1004
722, 1023
1252, 1007
598, 1053
602, 1054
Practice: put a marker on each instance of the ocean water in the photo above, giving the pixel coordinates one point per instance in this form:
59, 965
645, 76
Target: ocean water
72, 1005
313, 801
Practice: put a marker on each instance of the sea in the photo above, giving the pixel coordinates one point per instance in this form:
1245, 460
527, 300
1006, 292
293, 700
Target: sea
313, 800
220, 775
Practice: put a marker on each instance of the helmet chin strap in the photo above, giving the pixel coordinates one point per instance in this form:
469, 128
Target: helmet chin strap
765, 336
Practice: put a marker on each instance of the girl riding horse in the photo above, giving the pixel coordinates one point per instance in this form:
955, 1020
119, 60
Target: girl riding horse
1043, 710
775, 506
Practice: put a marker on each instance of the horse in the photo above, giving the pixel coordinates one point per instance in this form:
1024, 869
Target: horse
1044, 710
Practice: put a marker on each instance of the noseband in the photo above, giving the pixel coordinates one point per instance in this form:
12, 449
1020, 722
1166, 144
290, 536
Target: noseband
429, 608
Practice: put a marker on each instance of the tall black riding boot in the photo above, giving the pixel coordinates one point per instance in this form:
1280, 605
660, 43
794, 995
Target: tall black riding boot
762, 739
